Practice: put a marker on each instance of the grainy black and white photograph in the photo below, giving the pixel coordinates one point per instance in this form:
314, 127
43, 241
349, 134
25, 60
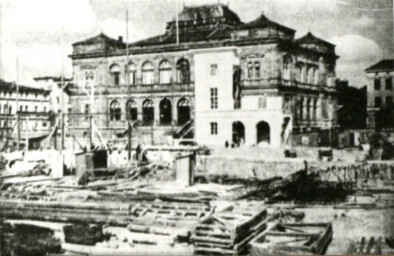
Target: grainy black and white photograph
196, 127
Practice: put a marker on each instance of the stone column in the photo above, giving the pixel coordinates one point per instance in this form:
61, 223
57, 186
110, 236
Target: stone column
156, 106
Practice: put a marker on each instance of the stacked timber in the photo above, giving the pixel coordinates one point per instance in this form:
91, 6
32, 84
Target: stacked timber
116, 214
373, 246
229, 231
293, 238
24, 239
83, 234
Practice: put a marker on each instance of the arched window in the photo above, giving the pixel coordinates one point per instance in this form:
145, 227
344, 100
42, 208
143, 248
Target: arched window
183, 111
310, 75
183, 71
148, 73
316, 76
114, 110
115, 74
165, 72
131, 110
165, 112
148, 113
89, 78
132, 71
253, 69
286, 67
303, 73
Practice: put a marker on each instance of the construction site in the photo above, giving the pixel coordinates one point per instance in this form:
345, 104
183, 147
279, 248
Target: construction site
193, 200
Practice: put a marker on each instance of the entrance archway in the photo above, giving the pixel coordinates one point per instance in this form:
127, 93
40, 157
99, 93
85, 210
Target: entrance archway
263, 132
238, 133
183, 111
165, 112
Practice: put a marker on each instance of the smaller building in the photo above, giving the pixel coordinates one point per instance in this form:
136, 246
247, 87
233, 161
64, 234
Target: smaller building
380, 92
59, 96
31, 104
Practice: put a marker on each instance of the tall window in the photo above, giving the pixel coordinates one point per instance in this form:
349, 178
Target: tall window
148, 113
286, 67
389, 84
183, 71
253, 69
165, 72
131, 110
5, 108
214, 128
310, 75
389, 101
20, 108
377, 84
316, 76
132, 73
214, 68
35, 108
378, 102
148, 73
115, 74
26, 108
89, 77
214, 98
114, 110
87, 111
10, 110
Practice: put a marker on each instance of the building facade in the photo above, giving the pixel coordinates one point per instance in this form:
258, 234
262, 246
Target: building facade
31, 104
262, 73
380, 93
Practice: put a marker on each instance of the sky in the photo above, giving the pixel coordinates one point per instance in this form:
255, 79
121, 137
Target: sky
37, 34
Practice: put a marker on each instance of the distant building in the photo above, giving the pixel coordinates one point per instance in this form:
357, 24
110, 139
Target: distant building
380, 105
58, 92
352, 106
246, 83
33, 109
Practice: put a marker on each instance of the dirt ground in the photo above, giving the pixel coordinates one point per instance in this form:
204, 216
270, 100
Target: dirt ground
351, 225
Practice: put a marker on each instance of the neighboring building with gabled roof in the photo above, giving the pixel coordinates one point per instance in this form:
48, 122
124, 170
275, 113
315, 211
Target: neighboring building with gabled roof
264, 65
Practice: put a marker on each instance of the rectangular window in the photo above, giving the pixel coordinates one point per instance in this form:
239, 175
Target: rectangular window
35, 108
389, 101
377, 84
20, 108
214, 68
214, 128
115, 77
257, 69
87, 110
389, 84
378, 102
214, 98
44, 124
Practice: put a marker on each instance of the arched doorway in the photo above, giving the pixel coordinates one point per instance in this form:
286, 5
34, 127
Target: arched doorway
131, 110
263, 132
183, 111
148, 113
165, 112
238, 133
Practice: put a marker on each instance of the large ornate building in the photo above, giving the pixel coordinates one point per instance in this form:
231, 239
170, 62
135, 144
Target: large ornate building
240, 82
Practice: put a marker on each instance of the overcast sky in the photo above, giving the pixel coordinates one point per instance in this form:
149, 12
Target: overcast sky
41, 32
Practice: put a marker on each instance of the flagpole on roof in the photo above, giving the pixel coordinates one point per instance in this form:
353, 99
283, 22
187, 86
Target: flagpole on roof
128, 116
177, 22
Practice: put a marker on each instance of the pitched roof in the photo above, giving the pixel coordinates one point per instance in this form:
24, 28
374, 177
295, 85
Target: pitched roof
8, 86
209, 12
187, 36
383, 65
101, 38
263, 22
310, 38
